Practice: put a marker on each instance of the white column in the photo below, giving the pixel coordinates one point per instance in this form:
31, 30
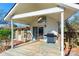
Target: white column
11, 34
62, 33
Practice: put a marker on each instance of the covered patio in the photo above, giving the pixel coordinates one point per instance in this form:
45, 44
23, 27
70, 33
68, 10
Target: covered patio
49, 17
43, 19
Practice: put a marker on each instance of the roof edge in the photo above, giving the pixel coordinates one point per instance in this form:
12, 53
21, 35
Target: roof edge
5, 18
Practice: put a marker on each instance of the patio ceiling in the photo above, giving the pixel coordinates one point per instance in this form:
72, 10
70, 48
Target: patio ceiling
30, 7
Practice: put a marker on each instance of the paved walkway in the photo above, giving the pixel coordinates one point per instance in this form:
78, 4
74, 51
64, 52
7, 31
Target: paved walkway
38, 48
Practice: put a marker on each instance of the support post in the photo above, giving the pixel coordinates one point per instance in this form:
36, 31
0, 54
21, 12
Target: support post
62, 33
11, 34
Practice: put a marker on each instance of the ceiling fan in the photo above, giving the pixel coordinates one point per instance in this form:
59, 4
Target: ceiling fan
42, 19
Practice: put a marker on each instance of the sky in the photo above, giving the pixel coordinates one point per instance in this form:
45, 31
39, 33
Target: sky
72, 18
4, 9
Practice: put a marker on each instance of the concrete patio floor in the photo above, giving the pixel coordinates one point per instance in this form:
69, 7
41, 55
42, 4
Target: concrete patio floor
38, 48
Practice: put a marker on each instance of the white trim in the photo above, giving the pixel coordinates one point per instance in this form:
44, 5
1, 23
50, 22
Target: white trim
11, 11
73, 5
40, 12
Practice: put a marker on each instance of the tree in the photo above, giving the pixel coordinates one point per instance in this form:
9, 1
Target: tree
75, 23
71, 26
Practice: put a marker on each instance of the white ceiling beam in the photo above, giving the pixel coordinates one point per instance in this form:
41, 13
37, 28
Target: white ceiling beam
40, 12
